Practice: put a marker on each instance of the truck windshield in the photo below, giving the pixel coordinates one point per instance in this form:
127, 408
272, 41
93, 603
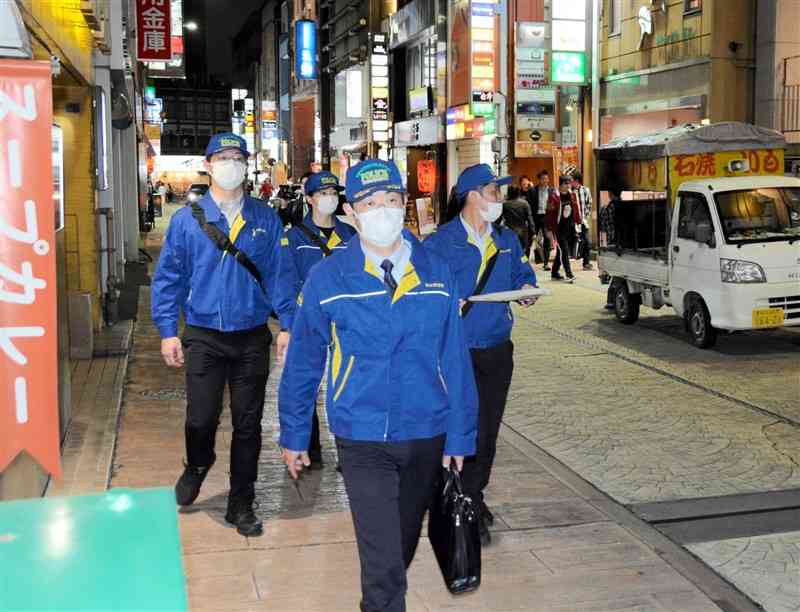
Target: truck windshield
760, 215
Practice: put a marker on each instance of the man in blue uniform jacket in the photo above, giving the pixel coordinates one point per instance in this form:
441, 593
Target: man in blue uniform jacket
480, 253
320, 235
401, 395
219, 267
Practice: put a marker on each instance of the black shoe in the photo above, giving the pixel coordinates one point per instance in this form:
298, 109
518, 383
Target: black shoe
588, 267
188, 486
609, 307
570, 278
240, 513
556, 277
546, 268
487, 514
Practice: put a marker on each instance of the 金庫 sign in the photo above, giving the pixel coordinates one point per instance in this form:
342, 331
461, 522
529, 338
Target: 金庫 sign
28, 333
153, 30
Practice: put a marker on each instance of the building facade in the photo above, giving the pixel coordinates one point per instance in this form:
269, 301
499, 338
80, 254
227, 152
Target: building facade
777, 81
94, 163
672, 62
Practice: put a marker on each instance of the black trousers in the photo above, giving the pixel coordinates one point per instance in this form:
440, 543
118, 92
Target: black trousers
562, 256
585, 247
390, 486
493, 368
314, 444
240, 360
546, 245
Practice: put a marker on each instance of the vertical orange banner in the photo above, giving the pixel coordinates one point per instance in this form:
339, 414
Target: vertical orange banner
28, 334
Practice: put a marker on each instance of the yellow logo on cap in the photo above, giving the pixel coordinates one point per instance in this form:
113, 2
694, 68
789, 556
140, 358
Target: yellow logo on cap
374, 176
229, 142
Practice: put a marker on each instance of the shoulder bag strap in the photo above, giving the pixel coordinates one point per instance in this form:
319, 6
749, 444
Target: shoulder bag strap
487, 271
315, 239
223, 243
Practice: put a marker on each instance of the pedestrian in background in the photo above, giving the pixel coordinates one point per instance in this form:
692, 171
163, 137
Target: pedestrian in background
563, 217
584, 197
319, 235
540, 200
474, 247
401, 395
219, 268
518, 218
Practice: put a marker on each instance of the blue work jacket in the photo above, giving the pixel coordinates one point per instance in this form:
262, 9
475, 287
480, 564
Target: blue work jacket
299, 254
209, 286
399, 367
488, 323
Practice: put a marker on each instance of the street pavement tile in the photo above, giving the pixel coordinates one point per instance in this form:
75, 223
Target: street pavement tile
766, 567
230, 589
548, 514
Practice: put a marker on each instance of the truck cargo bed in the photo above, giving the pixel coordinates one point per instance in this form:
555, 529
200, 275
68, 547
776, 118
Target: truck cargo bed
639, 266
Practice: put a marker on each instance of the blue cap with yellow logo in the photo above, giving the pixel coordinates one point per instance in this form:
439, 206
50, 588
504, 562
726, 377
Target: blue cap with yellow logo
322, 180
226, 140
371, 175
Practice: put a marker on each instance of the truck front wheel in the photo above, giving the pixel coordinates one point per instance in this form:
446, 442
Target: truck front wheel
698, 321
626, 304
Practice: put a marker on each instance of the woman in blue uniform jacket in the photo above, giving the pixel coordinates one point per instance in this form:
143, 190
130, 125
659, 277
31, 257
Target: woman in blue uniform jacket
401, 395
320, 235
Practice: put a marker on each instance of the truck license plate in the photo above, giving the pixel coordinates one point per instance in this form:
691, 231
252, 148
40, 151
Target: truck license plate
767, 317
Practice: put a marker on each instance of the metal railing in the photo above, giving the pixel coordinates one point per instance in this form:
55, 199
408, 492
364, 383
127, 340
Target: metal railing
790, 109
790, 100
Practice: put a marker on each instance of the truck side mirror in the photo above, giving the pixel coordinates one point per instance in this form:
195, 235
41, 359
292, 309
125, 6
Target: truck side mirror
704, 233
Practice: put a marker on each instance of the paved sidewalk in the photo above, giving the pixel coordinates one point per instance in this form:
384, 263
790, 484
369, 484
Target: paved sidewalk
97, 386
557, 547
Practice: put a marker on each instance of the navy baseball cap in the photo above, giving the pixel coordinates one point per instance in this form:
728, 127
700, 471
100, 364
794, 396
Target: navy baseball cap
322, 180
371, 175
226, 140
475, 177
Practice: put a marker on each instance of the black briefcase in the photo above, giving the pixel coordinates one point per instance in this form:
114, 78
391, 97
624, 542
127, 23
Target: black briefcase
453, 532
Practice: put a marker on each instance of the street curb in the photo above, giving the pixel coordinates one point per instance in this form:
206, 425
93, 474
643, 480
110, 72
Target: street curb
721, 592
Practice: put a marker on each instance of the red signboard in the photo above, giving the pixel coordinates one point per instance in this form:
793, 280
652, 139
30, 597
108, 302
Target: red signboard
153, 29
28, 332
426, 175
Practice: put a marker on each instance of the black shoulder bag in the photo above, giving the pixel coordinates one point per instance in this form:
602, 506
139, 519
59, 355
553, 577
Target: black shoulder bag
487, 271
223, 243
315, 239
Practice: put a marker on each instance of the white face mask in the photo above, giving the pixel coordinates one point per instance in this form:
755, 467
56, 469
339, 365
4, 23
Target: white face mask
228, 173
382, 226
493, 212
327, 204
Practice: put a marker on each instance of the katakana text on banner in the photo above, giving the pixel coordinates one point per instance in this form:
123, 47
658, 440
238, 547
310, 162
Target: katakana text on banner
28, 333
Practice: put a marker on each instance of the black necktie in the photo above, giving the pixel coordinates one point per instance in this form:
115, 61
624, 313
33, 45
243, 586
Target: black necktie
388, 279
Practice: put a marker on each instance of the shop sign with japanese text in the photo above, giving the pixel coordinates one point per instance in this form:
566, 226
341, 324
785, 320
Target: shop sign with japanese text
153, 30
759, 162
28, 325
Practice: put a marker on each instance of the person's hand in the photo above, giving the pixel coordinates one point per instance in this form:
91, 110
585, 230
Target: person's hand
172, 352
295, 461
529, 301
448, 459
282, 345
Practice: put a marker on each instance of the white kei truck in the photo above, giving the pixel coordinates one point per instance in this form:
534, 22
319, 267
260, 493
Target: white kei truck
709, 225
